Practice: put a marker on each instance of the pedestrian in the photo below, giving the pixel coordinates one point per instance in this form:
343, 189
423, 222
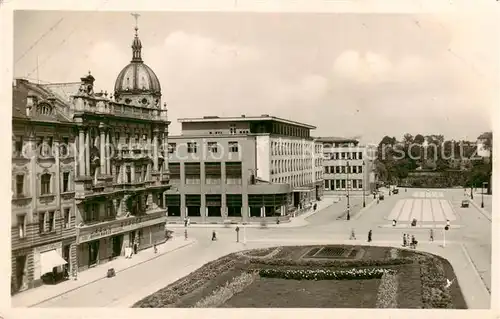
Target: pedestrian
353, 235
431, 235
413, 243
185, 221
185, 234
155, 248
315, 206
214, 235
404, 240
370, 236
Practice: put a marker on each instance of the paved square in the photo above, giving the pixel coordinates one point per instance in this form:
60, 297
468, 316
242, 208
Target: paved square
430, 212
428, 194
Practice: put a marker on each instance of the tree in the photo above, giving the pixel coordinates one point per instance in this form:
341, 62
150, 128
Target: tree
487, 139
419, 139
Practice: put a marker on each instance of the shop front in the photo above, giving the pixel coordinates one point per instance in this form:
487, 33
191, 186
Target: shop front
49, 264
98, 244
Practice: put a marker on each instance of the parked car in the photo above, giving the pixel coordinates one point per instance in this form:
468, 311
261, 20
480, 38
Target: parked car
465, 203
395, 191
381, 196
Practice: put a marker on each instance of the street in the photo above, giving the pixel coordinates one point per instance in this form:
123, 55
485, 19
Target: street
137, 282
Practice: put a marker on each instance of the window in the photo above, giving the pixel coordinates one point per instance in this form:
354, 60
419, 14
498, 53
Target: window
192, 147
233, 147
66, 217
41, 223
127, 139
343, 155
354, 155
232, 129
21, 225
129, 175
354, 169
117, 137
136, 138
138, 174
171, 147
360, 169
64, 148
19, 185
19, 145
50, 222
212, 147
109, 209
65, 182
360, 155
45, 183
360, 183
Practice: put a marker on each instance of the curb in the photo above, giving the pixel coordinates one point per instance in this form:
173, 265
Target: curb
362, 211
481, 210
104, 277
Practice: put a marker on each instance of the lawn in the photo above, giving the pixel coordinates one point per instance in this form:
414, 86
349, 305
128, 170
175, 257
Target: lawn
332, 276
285, 293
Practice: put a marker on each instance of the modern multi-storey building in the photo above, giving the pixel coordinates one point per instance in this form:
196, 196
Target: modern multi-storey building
241, 169
88, 172
348, 166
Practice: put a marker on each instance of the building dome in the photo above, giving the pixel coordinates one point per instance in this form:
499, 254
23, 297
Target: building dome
137, 83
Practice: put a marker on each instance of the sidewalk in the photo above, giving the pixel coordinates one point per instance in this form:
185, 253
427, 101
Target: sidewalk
476, 202
33, 297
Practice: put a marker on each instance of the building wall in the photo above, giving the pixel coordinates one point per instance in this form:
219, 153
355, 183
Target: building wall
214, 128
31, 159
337, 156
263, 157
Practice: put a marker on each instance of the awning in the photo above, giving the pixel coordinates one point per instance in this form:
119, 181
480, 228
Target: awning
302, 190
49, 260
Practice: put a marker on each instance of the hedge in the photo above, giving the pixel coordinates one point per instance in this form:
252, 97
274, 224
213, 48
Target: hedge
224, 293
321, 274
433, 278
169, 295
388, 291
332, 263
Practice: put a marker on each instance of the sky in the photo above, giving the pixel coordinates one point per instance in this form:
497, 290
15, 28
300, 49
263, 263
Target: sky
351, 75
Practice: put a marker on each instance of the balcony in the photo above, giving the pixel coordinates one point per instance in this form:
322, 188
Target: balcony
107, 106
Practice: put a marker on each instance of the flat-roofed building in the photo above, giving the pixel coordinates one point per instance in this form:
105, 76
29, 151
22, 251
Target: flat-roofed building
242, 169
348, 166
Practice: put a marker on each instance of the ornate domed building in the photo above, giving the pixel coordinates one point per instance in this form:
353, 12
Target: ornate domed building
137, 84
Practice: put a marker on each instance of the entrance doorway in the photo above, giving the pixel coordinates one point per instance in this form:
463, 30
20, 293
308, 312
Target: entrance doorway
66, 253
296, 199
93, 253
117, 245
20, 272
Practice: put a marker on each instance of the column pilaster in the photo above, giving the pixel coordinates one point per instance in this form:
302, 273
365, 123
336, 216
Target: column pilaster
102, 147
87, 152
81, 151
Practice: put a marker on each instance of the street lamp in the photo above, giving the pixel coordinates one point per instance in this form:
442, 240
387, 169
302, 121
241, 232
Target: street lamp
347, 188
364, 185
482, 195
471, 192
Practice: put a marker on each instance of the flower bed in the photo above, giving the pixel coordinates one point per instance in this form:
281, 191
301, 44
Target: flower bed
324, 274
224, 293
332, 262
263, 253
173, 292
388, 291
433, 278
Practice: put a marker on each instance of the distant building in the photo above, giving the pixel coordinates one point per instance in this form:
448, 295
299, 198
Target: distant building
348, 165
242, 169
88, 174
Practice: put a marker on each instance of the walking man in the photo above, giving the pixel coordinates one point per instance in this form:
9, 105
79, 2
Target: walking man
404, 240
431, 235
370, 236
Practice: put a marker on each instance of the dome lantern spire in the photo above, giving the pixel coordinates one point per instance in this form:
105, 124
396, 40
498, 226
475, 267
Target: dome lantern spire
136, 44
